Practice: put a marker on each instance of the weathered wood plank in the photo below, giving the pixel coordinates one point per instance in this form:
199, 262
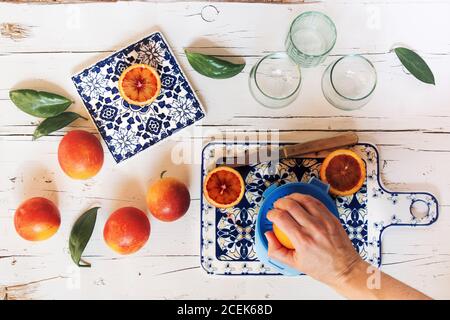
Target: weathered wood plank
406, 119
14, 31
155, 1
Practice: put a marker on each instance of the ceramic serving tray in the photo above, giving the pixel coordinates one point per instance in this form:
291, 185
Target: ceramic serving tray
228, 235
128, 129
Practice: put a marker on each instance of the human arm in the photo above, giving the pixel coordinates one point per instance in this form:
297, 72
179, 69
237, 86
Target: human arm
324, 252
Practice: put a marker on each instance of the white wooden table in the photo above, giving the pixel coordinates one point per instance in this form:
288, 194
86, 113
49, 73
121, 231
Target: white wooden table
409, 121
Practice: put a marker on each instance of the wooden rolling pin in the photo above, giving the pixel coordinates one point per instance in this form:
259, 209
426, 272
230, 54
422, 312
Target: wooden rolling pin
311, 149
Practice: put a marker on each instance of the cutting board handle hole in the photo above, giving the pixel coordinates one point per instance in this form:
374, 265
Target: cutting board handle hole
419, 209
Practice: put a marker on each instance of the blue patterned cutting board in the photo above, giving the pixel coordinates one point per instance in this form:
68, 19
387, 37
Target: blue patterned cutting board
228, 235
128, 129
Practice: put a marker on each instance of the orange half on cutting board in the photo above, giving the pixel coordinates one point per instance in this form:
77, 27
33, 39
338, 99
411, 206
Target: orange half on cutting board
224, 187
139, 84
344, 171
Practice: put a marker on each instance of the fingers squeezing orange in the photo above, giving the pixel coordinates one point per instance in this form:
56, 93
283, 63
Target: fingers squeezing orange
282, 237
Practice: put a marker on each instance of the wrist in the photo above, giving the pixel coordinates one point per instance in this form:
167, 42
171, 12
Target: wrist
354, 282
355, 271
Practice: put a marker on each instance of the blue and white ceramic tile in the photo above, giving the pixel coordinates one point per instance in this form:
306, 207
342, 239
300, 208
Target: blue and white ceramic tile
228, 235
128, 129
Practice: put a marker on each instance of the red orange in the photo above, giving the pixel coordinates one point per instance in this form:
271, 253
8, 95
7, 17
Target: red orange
344, 171
282, 237
139, 84
37, 219
80, 154
168, 199
127, 230
224, 187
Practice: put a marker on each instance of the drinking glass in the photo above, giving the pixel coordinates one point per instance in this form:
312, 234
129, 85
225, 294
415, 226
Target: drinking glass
311, 37
348, 83
275, 80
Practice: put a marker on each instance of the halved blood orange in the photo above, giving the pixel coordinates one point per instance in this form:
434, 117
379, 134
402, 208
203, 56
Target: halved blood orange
139, 84
282, 237
224, 187
344, 171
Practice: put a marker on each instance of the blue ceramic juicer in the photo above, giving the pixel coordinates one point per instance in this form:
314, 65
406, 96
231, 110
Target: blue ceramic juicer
314, 188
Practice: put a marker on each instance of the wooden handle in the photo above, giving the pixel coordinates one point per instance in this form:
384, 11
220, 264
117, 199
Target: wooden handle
340, 141
312, 149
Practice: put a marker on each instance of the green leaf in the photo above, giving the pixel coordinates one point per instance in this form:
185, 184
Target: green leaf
53, 124
415, 64
40, 104
80, 235
213, 67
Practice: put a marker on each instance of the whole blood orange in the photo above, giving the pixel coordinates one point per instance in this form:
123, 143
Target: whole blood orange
344, 171
80, 154
37, 219
126, 230
224, 187
168, 199
139, 84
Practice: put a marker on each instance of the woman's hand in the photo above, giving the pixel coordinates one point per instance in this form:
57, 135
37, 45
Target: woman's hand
322, 247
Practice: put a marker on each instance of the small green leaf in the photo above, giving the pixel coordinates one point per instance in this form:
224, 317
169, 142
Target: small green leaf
40, 104
213, 67
53, 124
415, 64
80, 235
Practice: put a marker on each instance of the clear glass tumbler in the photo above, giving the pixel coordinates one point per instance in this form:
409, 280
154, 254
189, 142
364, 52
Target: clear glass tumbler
348, 83
311, 37
275, 80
